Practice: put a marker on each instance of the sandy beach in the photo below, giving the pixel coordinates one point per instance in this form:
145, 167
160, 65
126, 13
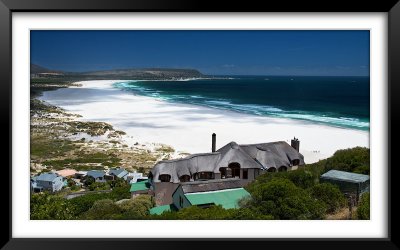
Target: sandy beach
188, 128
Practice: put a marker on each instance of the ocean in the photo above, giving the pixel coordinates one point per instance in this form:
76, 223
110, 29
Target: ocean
334, 101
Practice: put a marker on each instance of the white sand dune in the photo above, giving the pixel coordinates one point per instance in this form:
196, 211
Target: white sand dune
188, 128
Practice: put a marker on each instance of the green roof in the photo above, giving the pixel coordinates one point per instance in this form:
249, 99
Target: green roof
227, 198
139, 186
161, 209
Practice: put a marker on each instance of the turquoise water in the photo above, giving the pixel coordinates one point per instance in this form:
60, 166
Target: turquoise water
335, 101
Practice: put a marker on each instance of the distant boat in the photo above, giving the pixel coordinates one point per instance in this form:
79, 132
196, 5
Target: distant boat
266, 79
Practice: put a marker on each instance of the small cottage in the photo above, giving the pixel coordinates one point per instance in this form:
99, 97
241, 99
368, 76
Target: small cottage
119, 173
48, 182
348, 183
98, 175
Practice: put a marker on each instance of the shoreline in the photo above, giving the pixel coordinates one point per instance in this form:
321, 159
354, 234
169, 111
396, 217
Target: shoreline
188, 128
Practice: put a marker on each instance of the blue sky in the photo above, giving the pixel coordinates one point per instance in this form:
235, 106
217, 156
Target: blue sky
334, 53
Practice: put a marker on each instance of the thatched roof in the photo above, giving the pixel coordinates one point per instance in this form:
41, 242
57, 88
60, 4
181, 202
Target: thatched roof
232, 152
273, 154
256, 156
187, 166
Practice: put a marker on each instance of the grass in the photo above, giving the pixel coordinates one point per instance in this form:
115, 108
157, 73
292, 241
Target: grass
91, 128
165, 149
84, 161
42, 147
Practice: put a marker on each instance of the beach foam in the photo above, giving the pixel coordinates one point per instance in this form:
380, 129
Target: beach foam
188, 128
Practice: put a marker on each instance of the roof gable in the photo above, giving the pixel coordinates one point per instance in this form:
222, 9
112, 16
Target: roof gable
96, 173
47, 177
232, 152
120, 172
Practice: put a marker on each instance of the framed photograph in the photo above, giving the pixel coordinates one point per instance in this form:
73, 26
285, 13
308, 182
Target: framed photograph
152, 128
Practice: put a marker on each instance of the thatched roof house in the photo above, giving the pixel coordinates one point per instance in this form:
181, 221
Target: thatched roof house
274, 156
243, 162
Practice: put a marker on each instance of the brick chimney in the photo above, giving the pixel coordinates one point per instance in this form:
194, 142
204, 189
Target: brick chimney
213, 142
295, 144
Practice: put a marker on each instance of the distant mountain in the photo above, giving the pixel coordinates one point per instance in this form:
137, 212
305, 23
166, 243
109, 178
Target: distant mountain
144, 73
36, 69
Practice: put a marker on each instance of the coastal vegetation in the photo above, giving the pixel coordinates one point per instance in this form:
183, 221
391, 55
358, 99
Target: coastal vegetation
363, 212
60, 140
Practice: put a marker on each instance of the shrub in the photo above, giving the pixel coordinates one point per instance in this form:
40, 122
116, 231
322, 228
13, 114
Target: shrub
50, 207
138, 207
363, 207
351, 160
95, 186
103, 210
283, 200
330, 195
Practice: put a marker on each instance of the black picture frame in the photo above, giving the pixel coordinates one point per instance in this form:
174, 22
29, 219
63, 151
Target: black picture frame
8, 7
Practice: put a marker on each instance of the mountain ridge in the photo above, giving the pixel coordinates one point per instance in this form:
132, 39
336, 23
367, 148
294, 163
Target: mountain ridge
138, 73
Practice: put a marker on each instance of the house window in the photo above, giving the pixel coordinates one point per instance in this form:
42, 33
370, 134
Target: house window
282, 169
235, 167
204, 176
180, 201
245, 174
225, 173
295, 162
164, 177
184, 178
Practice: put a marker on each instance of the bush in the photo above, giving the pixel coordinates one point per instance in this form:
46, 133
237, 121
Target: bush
283, 200
89, 180
103, 210
50, 207
138, 207
196, 213
351, 160
363, 207
330, 195
71, 183
96, 186
302, 178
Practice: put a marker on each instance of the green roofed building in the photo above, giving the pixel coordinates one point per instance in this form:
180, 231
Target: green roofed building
348, 183
142, 187
226, 192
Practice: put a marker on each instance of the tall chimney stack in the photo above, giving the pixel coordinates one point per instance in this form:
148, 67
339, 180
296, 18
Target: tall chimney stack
295, 144
214, 140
